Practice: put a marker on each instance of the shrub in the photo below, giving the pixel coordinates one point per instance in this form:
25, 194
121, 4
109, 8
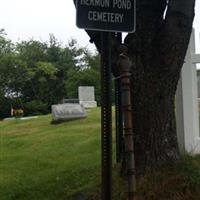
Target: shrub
36, 107
5, 106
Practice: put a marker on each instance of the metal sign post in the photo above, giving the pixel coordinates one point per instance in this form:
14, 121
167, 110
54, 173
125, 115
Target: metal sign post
106, 116
112, 16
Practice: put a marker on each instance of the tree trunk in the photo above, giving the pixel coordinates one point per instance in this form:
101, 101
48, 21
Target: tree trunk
157, 50
153, 121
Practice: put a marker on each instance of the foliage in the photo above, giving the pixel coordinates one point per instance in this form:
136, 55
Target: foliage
6, 45
85, 77
13, 75
44, 72
5, 107
35, 107
85, 74
31, 52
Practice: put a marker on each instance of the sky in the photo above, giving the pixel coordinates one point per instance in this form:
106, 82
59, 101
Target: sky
26, 19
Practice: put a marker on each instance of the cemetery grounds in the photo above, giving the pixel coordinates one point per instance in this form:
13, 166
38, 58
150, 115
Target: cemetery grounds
42, 161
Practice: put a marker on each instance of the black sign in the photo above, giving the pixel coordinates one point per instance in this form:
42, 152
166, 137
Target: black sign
106, 15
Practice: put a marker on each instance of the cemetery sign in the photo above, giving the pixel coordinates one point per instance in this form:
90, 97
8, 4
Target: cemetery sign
106, 15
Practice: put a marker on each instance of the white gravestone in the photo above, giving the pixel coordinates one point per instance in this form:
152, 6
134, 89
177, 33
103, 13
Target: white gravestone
67, 111
86, 96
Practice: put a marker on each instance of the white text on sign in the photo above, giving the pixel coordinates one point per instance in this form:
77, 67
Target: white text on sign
107, 16
120, 4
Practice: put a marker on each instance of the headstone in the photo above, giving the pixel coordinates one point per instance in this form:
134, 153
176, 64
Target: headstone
67, 112
86, 96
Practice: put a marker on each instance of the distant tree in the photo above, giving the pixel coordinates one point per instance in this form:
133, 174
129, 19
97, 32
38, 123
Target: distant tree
32, 51
86, 77
85, 74
63, 59
92, 60
6, 45
48, 64
38, 74
12, 69
12, 75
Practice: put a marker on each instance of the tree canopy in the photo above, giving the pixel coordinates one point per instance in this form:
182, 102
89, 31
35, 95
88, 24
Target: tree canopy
35, 74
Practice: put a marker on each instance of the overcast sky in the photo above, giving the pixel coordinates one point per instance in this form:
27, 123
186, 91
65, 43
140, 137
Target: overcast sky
25, 19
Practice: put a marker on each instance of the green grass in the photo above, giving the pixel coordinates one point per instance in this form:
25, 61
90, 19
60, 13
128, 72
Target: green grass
41, 161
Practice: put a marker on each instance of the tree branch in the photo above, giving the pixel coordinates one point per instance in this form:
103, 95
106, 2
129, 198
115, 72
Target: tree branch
141, 43
185, 7
175, 33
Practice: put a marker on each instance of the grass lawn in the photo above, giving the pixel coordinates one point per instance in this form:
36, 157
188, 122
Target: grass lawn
41, 161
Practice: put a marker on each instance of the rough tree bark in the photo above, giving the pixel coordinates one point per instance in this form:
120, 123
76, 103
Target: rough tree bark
157, 50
